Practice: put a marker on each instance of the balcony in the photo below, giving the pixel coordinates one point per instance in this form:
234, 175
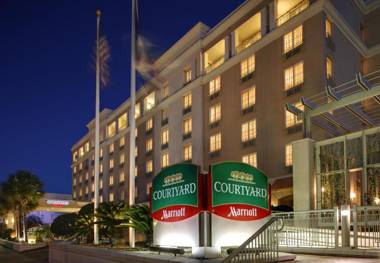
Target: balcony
214, 56
287, 9
248, 33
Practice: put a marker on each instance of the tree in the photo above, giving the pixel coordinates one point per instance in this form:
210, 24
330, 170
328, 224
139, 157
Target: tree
64, 225
85, 222
23, 191
141, 220
111, 216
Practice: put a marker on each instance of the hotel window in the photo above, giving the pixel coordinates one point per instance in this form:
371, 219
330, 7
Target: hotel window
136, 171
288, 155
149, 124
101, 199
293, 76
122, 141
187, 126
101, 183
122, 195
75, 156
80, 179
80, 166
187, 73
247, 66
137, 110
248, 131
136, 151
149, 166
248, 98
329, 68
111, 197
101, 152
75, 169
215, 142
122, 159
149, 101
165, 160
250, 159
86, 175
248, 33
187, 101
148, 187
111, 129
86, 191
75, 181
81, 151
87, 147
164, 116
165, 136
111, 163
328, 28
136, 132
112, 147
149, 145
80, 193
92, 187
290, 118
122, 121
215, 113
165, 91
136, 192
287, 9
187, 152
111, 179
214, 86
214, 56
121, 176
293, 39
101, 168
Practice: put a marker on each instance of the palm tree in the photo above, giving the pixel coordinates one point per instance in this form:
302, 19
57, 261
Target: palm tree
141, 220
22, 191
84, 224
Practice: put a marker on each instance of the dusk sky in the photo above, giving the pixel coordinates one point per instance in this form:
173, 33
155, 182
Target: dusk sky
46, 80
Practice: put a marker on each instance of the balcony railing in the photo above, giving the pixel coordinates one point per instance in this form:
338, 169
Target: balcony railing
216, 63
249, 41
292, 12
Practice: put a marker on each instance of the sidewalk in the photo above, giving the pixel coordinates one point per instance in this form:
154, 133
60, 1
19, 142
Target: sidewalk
329, 259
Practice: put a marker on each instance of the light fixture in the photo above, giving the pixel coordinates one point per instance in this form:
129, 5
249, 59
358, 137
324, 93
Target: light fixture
377, 200
352, 195
323, 189
345, 210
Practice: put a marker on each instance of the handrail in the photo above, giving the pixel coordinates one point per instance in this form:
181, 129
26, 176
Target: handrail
243, 246
298, 8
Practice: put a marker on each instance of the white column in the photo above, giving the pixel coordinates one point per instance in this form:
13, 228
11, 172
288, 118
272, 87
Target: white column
272, 15
227, 45
233, 41
264, 19
303, 175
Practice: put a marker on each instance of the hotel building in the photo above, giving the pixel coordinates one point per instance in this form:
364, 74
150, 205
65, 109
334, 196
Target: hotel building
223, 91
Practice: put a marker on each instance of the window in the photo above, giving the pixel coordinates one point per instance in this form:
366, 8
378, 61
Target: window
165, 160
149, 166
165, 91
87, 175
136, 171
187, 152
136, 151
80, 166
122, 159
75, 181
287, 9
81, 151
187, 101
101, 152
248, 33
101, 183
111, 129
92, 187
75, 156
86, 189
290, 118
187, 126
293, 39
136, 192
87, 147
215, 113
149, 124
214, 86
149, 145
248, 98
328, 28
137, 110
248, 131
121, 176
247, 66
250, 159
101, 199
149, 101
164, 115
164, 137
214, 56
122, 195
293, 76
329, 68
111, 179
215, 142
122, 141
136, 132
288, 155
111, 163
101, 168
122, 121
187, 74
112, 148
148, 187
111, 197
75, 169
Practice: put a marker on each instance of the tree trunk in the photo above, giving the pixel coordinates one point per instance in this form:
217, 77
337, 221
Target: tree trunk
24, 226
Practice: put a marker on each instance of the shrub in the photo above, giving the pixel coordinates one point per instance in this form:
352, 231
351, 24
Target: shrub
64, 225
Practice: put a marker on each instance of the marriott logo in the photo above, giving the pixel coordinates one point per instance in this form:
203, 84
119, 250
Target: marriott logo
167, 214
238, 212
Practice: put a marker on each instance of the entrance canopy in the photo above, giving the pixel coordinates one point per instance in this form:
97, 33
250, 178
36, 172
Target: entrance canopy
61, 203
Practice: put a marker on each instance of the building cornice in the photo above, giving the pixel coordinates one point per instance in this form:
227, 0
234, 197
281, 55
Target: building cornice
367, 8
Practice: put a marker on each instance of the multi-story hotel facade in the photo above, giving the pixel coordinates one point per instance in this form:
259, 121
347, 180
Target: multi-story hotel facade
222, 93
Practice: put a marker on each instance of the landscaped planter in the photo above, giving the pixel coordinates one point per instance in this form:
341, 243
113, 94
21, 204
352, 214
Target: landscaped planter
21, 247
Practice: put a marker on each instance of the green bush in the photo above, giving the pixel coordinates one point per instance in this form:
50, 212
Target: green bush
6, 234
64, 225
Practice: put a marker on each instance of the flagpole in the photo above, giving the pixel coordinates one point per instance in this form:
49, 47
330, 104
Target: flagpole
132, 121
97, 109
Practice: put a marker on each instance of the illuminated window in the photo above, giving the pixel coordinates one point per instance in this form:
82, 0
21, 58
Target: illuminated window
250, 159
92, 187
86, 175
74, 195
101, 152
149, 124
86, 189
248, 98
165, 160
149, 145
290, 118
248, 33
187, 74
101, 199
111, 129
122, 159
328, 28
293, 39
80, 193
165, 91
187, 126
87, 147
164, 137
287, 9
214, 86
248, 131
111, 179
136, 171
293, 76
329, 68
112, 148
101, 168
288, 155
136, 132
121, 176
75, 169
80, 179
247, 66
122, 141
148, 187
136, 151
215, 142
149, 166
111, 197
149, 101
81, 151
137, 110
75, 156
101, 183
75, 181
187, 101
122, 121
111, 163
187, 152
80, 166
215, 113
214, 56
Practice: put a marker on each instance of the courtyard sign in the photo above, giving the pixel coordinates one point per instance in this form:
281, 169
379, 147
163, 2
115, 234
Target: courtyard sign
175, 193
238, 192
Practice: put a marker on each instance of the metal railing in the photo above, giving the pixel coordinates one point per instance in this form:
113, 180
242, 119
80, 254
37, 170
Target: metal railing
366, 227
292, 12
260, 247
249, 41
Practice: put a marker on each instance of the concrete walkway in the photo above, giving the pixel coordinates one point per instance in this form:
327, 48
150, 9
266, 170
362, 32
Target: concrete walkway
10, 256
329, 259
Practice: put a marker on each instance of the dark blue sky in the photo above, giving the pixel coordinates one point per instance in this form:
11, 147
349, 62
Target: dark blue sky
46, 81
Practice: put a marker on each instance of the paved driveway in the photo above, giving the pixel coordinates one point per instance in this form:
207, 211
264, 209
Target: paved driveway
10, 256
